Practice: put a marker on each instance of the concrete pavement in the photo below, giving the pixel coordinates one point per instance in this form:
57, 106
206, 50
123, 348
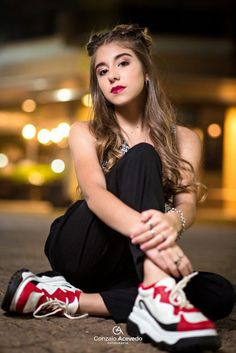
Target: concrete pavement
22, 236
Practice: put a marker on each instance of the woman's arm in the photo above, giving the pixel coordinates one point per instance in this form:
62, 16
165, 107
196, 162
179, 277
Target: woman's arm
190, 149
93, 183
168, 225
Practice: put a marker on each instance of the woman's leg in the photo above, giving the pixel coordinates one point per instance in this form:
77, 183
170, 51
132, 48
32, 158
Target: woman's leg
92, 304
137, 181
94, 254
152, 273
140, 170
212, 294
80, 249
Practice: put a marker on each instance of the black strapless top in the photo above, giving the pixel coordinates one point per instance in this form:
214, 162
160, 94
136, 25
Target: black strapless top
124, 147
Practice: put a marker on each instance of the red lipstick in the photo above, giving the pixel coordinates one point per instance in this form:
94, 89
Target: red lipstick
117, 89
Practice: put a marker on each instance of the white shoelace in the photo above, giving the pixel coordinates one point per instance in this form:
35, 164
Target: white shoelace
55, 306
177, 295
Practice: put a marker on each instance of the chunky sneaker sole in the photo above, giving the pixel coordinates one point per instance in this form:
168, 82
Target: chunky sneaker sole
143, 324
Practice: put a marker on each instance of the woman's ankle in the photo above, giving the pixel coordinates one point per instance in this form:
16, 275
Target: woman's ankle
93, 304
152, 273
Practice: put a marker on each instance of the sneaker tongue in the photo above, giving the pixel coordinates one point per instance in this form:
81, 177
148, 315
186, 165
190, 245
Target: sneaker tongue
168, 282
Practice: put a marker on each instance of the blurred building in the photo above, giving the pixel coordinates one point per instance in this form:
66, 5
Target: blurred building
44, 82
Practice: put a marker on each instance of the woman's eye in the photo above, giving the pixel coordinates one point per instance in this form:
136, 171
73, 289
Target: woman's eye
102, 72
124, 63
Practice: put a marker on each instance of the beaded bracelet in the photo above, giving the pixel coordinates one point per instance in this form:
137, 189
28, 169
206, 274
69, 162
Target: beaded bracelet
182, 220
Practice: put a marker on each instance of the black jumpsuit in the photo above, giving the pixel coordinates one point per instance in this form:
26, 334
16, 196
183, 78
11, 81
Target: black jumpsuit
98, 259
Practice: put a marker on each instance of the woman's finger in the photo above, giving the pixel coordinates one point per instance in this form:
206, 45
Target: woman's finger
178, 261
148, 233
155, 256
138, 230
167, 243
146, 215
152, 229
172, 269
150, 238
184, 266
154, 242
142, 238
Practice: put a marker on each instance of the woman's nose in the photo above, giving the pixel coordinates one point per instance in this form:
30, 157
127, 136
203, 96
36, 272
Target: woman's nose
113, 75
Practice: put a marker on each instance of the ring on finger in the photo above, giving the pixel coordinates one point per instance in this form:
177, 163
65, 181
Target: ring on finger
152, 232
178, 261
163, 236
150, 225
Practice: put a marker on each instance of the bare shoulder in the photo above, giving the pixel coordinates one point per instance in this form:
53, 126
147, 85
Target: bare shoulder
87, 166
82, 142
189, 146
80, 130
187, 138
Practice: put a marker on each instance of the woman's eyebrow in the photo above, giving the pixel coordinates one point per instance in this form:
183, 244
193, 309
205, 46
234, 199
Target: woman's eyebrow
115, 58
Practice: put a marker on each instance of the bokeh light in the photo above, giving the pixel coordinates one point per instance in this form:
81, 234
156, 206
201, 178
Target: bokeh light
36, 178
56, 135
58, 166
64, 95
87, 100
28, 131
28, 105
64, 128
3, 160
44, 136
214, 130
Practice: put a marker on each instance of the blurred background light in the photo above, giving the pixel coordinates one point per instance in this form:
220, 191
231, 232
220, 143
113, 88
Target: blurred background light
28, 105
36, 178
28, 131
3, 160
87, 100
229, 165
214, 130
44, 80
56, 135
57, 166
64, 129
44, 136
64, 95
40, 84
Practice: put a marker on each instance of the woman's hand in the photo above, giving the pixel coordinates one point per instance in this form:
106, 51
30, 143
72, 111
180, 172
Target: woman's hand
172, 260
155, 229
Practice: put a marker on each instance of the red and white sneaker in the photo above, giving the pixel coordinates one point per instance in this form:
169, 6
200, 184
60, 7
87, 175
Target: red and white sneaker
41, 296
163, 316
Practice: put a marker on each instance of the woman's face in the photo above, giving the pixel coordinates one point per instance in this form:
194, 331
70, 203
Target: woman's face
119, 73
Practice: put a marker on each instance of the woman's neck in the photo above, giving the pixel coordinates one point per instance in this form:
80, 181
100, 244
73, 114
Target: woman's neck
131, 114
132, 127
129, 118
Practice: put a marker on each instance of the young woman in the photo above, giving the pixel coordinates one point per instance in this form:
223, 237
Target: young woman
138, 174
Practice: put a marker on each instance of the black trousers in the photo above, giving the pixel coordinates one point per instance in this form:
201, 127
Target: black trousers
97, 259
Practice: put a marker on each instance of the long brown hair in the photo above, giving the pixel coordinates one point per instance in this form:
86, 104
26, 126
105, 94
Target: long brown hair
159, 116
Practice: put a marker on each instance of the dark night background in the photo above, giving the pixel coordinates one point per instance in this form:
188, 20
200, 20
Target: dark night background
194, 50
31, 19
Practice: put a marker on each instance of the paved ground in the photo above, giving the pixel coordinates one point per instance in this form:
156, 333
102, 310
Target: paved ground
211, 247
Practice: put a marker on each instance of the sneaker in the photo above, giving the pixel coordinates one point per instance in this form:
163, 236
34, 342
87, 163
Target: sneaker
163, 315
41, 296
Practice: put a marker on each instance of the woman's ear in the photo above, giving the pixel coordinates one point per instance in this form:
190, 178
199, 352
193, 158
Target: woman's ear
146, 81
